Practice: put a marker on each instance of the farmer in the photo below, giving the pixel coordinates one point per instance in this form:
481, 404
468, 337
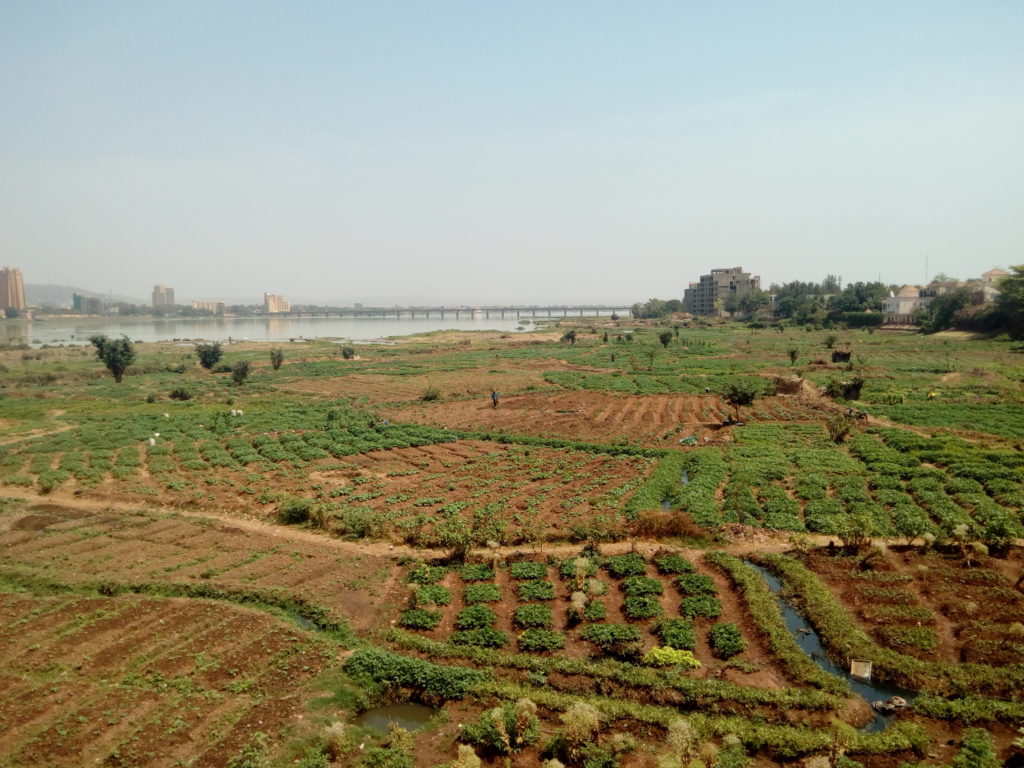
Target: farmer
494, 398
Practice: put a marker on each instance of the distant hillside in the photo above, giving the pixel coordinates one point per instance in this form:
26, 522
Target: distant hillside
60, 295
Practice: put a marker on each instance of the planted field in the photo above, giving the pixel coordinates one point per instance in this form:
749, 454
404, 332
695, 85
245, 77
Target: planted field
140, 681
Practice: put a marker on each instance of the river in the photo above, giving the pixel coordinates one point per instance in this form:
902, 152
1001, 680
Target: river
77, 330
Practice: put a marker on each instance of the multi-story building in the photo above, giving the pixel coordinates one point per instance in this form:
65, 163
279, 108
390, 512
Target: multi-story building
162, 296
273, 303
12, 289
708, 296
87, 305
216, 307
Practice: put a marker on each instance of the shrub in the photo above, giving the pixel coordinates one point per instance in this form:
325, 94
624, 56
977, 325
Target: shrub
978, 751
670, 657
505, 729
384, 669
641, 607
696, 584
476, 572
528, 616
621, 566
528, 570
536, 590
701, 605
348, 353
475, 617
180, 393
418, 618
613, 638
482, 593
595, 611
541, 640
294, 510
430, 394
674, 564
639, 586
209, 354
433, 594
677, 633
727, 640
484, 637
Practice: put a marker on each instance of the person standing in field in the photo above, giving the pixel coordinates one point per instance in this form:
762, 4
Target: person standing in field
494, 398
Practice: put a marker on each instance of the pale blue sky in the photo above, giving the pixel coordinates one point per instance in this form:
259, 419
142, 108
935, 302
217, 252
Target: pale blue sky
528, 151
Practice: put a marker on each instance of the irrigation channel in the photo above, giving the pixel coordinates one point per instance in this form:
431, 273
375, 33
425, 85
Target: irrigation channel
810, 643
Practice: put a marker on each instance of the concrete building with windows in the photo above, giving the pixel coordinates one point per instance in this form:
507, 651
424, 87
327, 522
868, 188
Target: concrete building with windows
163, 296
215, 307
12, 289
708, 296
87, 305
273, 303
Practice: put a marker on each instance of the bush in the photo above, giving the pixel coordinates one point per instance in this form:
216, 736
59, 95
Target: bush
418, 618
677, 633
482, 593
476, 572
621, 566
528, 616
670, 657
475, 617
670, 564
294, 510
536, 590
978, 751
485, 637
430, 394
727, 640
528, 570
696, 584
595, 611
180, 393
209, 354
348, 352
639, 586
505, 729
541, 640
612, 638
701, 605
433, 594
384, 669
641, 607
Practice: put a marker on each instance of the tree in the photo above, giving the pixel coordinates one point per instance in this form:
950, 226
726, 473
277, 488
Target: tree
209, 354
276, 358
942, 310
739, 393
240, 372
1011, 302
665, 337
794, 353
116, 354
569, 336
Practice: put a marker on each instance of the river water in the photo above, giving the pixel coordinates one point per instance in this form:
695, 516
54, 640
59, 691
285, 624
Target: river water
76, 330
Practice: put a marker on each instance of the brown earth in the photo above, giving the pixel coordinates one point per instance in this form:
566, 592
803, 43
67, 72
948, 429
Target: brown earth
133, 680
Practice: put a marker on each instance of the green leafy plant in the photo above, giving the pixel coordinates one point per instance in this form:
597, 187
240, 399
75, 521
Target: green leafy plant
475, 617
541, 640
677, 633
701, 605
670, 657
529, 616
418, 618
726, 640
482, 593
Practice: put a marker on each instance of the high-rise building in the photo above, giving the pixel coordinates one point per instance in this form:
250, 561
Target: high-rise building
708, 296
87, 305
273, 303
163, 296
12, 289
216, 307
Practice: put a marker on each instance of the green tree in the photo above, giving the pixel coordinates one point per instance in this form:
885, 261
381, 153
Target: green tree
569, 336
1011, 302
276, 358
116, 354
739, 393
209, 354
665, 337
941, 312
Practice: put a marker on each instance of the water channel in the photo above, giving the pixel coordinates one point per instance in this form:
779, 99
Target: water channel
810, 643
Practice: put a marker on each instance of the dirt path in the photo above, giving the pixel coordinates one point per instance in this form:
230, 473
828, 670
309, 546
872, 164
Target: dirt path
36, 433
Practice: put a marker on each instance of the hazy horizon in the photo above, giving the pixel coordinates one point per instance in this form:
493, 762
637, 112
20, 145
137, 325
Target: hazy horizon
531, 153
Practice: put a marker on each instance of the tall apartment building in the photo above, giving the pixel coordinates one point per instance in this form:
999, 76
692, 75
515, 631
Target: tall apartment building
216, 307
702, 298
163, 296
12, 289
274, 303
87, 305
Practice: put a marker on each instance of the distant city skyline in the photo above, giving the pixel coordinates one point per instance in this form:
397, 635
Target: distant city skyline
496, 153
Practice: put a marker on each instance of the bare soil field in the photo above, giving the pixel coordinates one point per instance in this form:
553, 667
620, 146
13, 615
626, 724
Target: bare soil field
149, 548
933, 606
132, 680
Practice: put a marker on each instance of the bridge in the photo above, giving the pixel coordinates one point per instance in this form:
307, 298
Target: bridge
517, 312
